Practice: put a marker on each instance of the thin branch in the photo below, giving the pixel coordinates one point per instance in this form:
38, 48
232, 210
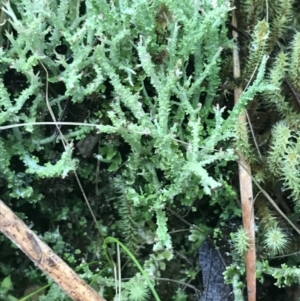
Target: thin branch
246, 191
44, 257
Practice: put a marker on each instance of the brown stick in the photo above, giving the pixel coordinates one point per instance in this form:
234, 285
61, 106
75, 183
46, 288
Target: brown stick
43, 256
245, 183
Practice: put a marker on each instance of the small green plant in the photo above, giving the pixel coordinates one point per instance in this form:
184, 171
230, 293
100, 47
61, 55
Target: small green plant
275, 241
6, 286
240, 241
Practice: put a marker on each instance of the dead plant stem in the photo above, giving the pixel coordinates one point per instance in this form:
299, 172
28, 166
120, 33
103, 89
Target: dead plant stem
245, 180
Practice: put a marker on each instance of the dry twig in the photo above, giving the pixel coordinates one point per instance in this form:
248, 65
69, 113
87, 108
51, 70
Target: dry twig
43, 256
245, 183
